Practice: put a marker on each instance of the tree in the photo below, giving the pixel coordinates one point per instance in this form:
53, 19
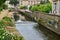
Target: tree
14, 2
42, 7
45, 8
33, 8
1, 3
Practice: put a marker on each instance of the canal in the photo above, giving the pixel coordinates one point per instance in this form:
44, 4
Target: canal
32, 31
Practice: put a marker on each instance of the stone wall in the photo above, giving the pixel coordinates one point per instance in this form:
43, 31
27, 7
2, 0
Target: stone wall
51, 22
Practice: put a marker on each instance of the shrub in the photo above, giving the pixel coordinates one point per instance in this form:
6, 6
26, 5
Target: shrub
14, 2
16, 17
10, 10
23, 7
7, 21
40, 20
34, 8
16, 37
3, 34
1, 3
1, 24
42, 8
1, 8
4, 6
45, 8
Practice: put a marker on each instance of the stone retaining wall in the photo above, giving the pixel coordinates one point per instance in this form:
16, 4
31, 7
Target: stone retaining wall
51, 22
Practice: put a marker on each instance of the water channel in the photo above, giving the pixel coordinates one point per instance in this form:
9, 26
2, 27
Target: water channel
33, 31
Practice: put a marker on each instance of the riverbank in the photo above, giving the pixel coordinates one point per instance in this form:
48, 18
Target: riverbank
7, 25
13, 31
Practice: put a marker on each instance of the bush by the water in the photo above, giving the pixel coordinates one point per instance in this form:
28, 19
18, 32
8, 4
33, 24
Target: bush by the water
7, 21
16, 17
42, 7
4, 35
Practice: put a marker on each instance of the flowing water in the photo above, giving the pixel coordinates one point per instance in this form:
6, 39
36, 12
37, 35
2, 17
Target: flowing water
33, 31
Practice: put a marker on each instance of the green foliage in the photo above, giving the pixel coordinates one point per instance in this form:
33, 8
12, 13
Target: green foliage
10, 10
4, 6
42, 7
1, 8
1, 24
1, 3
15, 37
22, 7
7, 18
45, 8
4, 35
34, 8
7, 21
21, 38
8, 36
40, 20
16, 17
14, 2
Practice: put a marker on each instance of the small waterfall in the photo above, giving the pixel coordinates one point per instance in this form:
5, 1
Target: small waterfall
19, 21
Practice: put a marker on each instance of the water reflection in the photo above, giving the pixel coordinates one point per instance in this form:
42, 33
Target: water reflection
51, 35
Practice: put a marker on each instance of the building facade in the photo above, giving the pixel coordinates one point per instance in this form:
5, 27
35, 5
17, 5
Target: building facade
28, 2
56, 7
50, 1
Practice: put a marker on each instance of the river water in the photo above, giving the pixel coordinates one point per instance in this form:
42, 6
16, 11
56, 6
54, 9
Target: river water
33, 31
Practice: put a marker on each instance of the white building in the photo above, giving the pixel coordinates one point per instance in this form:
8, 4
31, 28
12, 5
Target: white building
9, 5
56, 7
28, 2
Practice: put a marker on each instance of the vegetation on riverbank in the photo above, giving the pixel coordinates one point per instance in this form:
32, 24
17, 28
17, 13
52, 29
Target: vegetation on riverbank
22, 7
7, 29
2, 5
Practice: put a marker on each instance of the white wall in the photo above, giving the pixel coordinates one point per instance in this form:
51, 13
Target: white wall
31, 2
9, 5
58, 8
